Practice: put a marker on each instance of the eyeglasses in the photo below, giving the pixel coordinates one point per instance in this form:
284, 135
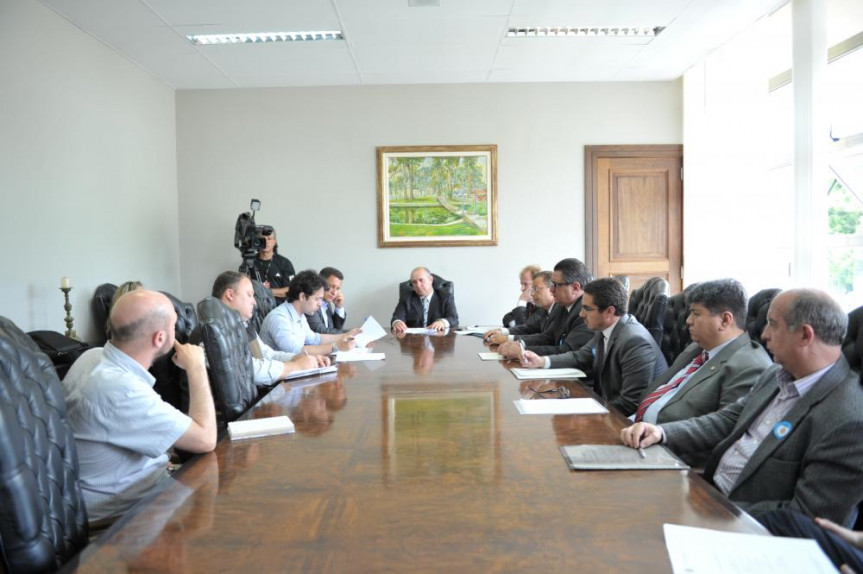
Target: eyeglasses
562, 392
588, 308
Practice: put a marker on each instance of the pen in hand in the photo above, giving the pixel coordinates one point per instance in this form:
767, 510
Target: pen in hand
641, 453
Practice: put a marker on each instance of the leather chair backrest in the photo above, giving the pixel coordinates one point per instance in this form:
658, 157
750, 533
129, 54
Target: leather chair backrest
226, 343
624, 280
439, 283
852, 346
756, 314
44, 522
648, 303
265, 302
675, 333
102, 298
172, 383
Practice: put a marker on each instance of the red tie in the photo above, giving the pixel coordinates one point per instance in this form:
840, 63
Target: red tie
657, 394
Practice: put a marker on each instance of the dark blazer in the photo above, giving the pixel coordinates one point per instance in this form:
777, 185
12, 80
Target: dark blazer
534, 324
816, 468
410, 309
519, 315
334, 322
563, 332
632, 359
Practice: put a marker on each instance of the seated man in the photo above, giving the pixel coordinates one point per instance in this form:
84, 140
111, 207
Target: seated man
122, 428
525, 306
285, 328
842, 545
623, 356
425, 306
235, 290
565, 330
719, 367
330, 318
796, 440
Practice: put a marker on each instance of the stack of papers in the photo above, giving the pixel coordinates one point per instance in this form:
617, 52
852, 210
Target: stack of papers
534, 374
619, 457
311, 372
491, 356
358, 354
560, 407
422, 331
260, 427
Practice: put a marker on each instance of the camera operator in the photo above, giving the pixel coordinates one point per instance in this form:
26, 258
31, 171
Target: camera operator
275, 271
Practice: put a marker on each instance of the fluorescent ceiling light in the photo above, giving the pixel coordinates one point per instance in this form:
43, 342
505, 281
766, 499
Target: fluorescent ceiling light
584, 31
263, 37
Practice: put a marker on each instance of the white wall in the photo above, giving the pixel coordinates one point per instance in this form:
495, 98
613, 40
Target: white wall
88, 180
309, 155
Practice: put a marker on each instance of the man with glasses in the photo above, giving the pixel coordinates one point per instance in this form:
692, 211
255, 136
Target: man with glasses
565, 330
286, 328
623, 356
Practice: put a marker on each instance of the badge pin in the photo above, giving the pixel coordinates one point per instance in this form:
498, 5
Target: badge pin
781, 429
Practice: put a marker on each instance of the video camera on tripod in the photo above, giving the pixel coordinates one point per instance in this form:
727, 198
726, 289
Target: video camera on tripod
249, 238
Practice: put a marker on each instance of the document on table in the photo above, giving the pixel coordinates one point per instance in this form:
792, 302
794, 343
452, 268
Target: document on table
475, 330
559, 407
533, 374
370, 331
619, 457
422, 331
253, 428
310, 372
491, 357
700, 550
358, 355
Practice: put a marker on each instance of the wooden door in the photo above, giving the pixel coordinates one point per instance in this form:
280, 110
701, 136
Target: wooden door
634, 212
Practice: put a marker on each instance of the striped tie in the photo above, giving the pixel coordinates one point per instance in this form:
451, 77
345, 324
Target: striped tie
657, 394
425, 311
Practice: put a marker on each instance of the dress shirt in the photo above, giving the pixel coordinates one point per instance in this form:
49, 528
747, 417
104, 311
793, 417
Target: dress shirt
268, 369
735, 458
652, 412
286, 330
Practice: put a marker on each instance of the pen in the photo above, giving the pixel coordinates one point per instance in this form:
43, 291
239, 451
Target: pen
641, 453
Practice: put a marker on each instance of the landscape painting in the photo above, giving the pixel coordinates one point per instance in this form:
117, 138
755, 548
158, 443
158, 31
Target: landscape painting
437, 196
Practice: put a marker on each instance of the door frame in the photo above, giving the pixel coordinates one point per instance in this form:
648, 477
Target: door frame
592, 153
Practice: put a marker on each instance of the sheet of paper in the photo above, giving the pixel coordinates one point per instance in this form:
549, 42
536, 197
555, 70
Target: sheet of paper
420, 331
559, 407
534, 374
474, 330
260, 427
353, 356
703, 551
311, 372
371, 331
491, 356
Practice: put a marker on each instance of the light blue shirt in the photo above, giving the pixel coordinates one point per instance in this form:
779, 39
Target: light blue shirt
286, 330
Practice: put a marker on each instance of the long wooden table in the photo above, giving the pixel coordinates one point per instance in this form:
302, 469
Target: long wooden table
418, 463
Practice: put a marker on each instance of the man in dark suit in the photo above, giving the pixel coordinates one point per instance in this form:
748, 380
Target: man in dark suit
526, 306
565, 330
719, 367
425, 306
330, 318
796, 441
623, 356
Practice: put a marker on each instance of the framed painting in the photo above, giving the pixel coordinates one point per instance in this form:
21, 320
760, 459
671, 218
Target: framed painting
434, 196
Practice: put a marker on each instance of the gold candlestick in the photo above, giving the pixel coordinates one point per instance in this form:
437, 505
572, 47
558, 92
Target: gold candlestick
70, 332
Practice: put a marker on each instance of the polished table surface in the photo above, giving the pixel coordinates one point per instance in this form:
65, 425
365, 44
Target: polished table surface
417, 463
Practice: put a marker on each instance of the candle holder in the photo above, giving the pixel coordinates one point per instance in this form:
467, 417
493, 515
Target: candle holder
70, 332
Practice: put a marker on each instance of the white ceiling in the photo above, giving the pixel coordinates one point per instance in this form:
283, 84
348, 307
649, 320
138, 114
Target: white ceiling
388, 42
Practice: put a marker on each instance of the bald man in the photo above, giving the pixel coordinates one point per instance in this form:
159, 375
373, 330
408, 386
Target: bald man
122, 428
425, 306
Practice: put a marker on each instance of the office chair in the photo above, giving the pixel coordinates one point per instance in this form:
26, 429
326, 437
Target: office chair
265, 302
756, 314
172, 384
44, 522
675, 333
648, 303
101, 306
229, 359
852, 346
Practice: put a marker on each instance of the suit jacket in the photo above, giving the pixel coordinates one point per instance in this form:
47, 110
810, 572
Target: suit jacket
410, 309
631, 360
563, 332
534, 324
519, 315
815, 468
334, 322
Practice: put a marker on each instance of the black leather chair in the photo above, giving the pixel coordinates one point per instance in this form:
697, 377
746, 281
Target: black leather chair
756, 314
675, 333
171, 381
44, 522
226, 343
624, 280
265, 302
852, 346
648, 303
438, 282
101, 305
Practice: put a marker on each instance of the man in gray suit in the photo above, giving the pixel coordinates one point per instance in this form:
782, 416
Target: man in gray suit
330, 318
796, 441
622, 358
719, 367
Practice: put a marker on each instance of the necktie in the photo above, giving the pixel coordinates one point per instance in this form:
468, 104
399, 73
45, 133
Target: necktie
657, 394
425, 311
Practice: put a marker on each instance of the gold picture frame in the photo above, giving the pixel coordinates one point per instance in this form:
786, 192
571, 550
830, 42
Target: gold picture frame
437, 196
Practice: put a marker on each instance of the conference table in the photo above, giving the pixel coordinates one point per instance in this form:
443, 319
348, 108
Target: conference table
417, 463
